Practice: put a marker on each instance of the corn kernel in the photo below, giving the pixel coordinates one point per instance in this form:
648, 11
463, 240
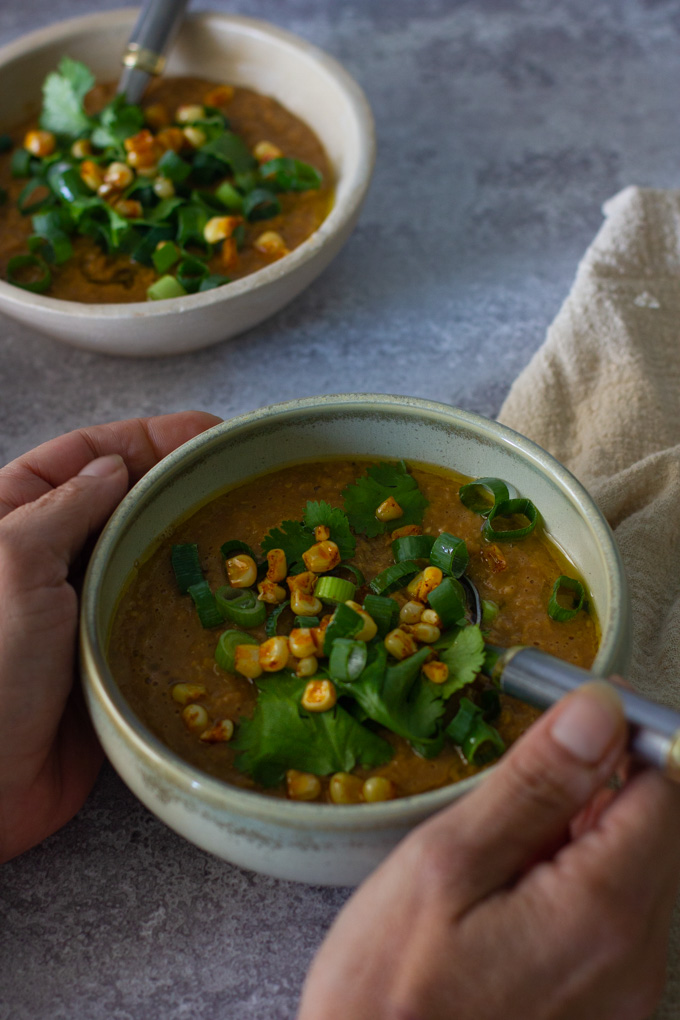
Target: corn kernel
171, 138
109, 192
377, 788
322, 532
302, 785
437, 672
241, 571
410, 612
128, 207
319, 637
247, 661
163, 187
424, 583
345, 788
431, 617
157, 116
495, 558
184, 693
304, 582
319, 696
408, 529
229, 253
220, 733
119, 175
148, 171
306, 666
322, 557
195, 718
91, 173
400, 644
389, 510
219, 227
271, 592
370, 627
81, 148
274, 654
424, 632
195, 136
304, 605
221, 95
40, 143
301, 642
272, 244
276, 565
264, 151
142, 149
188, 113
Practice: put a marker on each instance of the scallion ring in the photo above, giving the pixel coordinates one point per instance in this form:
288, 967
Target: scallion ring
272, 623
395, 577
206, 606
186, 565
383, 611
510, 508
347, 659
241, 606
412, 547
225, 653
482, 495
450, 554
334, 590
556, 611
19, 264
449, 602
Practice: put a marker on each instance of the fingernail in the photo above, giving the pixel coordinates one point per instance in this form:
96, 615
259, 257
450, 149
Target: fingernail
103, 466
589, 722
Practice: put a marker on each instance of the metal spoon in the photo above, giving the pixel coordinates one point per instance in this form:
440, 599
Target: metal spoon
153, 33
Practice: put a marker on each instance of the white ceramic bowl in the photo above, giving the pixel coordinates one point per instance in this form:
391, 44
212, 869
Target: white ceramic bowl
317, 843
241, 51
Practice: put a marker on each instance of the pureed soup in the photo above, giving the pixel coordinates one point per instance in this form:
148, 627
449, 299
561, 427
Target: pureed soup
201, 185
323, 632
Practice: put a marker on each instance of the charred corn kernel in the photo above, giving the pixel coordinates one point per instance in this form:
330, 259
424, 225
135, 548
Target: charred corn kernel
408, 529
128, 207
344, 788
271, 243
148, 171
304, 605
319, 696
109, 192
377, 788
220, 733
91, 174
119, 174
195, 136
276, 565
274, 654
306, 666
40, 143
188, 113
410, 612
241, 571
429, 616
304, 582
195, 718
400, 644
302, 785
437, 672
217, 228
264, 151
221, 95
322, 532
163, 187
424, 583
229, 253
319, 637
495, 558
322, 557
247, 661
424, 632
271, 592
157, 116
185, 693
171, 138
301, 642
142, 149
389, 510
370, 627
81, 148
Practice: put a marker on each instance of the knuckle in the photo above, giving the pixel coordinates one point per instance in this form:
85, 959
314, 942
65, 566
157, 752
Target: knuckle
542, 780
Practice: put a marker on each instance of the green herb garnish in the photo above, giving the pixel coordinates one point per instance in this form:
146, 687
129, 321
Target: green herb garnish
381, 481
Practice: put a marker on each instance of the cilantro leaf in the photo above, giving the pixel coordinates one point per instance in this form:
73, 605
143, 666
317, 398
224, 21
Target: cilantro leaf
117, 121
281, 735
63, 94
336, 521
464, 657
363, 498
294, 538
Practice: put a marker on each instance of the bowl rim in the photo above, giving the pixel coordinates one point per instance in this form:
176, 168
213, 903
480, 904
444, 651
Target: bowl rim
340, 215
216, 793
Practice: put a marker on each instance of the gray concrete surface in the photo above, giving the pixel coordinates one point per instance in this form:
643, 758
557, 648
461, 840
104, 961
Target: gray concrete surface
502, 128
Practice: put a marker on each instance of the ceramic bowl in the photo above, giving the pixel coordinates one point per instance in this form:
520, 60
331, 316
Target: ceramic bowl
316, 843
244, 52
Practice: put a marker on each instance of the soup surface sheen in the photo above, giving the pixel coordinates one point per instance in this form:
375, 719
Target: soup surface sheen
157, 640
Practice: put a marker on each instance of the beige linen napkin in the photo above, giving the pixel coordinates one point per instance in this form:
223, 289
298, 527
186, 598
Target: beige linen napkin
603, 396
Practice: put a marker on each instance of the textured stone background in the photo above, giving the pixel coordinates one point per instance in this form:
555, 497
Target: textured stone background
502, 128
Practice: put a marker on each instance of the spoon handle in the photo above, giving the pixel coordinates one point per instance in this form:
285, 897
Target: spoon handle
154, 30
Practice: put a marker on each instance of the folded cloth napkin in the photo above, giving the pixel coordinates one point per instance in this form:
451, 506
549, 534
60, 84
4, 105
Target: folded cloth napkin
603, 396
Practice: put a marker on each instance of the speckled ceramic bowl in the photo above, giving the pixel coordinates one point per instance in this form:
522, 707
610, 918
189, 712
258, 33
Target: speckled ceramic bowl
219, 47
317, 843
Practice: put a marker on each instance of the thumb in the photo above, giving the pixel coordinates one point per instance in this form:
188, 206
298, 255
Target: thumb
527, 802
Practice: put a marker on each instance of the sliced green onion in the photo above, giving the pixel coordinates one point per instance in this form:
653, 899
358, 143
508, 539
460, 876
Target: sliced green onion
66, 182
260, 204
395, 577
345, 623
165, 256
449, 602
450, 554
478, 741
241, 606
191, 272
16, 268
347, 659
230, 148
5, 144
166, 287
383, 611
144, 250
227, 645
234, 546
482, 495
490, 611
229, 197
333, 590
20, 164
306, 621
412, 547
191, 220
490, 704
556, 611
213, 281
205, 603
24, 204
186, 565
273, 619
359, 578
290, 174
173, 167
510, 508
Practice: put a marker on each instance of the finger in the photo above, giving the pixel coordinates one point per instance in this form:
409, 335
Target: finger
526, 804
141, 442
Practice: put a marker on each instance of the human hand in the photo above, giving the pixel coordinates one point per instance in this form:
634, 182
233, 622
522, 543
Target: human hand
51, 501
539, 895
